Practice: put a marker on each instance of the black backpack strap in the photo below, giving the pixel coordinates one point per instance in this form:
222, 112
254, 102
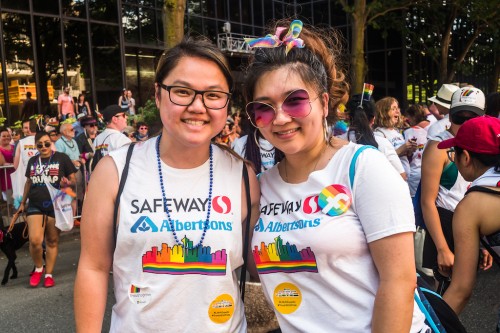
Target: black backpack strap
120, 188
482, 189
247, 232
493, 253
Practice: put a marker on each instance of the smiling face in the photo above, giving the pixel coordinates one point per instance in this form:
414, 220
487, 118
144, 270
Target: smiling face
192, 125
291, 135
5, 138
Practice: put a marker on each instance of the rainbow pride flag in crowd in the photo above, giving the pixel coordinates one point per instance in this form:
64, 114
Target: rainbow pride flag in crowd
367, 92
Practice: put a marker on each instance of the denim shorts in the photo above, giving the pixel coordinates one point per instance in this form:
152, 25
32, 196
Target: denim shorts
37, 208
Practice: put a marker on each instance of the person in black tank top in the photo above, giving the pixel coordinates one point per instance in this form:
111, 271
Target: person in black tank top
476, 150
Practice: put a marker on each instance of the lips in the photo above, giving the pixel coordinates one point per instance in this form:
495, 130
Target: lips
287, 132
195, 122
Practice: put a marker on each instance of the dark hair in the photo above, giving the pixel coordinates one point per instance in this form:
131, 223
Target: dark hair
488, 160
416, 112
252, 151
3, 129
493, 104
200, 47
317, 63
141, 123
360, 118
40, 135
28, 94
32, 125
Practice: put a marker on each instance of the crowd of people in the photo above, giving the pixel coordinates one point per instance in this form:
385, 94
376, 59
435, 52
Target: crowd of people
327, 217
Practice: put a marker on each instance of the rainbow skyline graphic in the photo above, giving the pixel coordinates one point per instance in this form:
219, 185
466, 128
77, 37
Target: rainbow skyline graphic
283, 258
134, 289
181, 260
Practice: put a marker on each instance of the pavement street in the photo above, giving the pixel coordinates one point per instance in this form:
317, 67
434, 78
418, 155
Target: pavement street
25, 309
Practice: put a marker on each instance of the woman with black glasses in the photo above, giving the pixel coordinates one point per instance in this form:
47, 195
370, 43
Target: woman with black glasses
178, 241
56, 169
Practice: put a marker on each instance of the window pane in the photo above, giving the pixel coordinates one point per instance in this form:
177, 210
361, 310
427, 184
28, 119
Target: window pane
44, 6
107, 64
148, 26
19, 63
75, 8
77, 59
15, 4
130, 24
104, 10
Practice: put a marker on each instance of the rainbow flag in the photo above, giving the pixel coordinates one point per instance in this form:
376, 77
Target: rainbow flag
134, 289
367, 92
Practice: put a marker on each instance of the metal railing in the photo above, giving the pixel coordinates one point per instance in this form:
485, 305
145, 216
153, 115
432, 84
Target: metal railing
233, 43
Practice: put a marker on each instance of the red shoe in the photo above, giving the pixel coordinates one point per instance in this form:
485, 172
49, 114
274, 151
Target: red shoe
49, 282
35, 278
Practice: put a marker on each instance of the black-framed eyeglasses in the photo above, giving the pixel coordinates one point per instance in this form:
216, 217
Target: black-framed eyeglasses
40, 145
451, 154
184, 96
124, 115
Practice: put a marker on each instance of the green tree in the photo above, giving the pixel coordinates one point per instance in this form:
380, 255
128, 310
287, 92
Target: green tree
173, 22
453, 33
364, 13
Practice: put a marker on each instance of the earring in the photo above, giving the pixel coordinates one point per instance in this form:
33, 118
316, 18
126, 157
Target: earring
257, 142
326, 130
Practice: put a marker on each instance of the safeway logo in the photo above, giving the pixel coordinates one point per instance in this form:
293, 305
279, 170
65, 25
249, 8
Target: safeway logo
221, 204
310, 205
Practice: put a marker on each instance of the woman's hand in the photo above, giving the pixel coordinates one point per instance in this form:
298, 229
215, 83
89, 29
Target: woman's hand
486, 260
65, 182
21, 208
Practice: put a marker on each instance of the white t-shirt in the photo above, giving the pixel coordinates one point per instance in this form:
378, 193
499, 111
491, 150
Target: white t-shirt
397, 140
158, 285
109, 140
414, 176
438, 127
384, 146
317, 269
266, 151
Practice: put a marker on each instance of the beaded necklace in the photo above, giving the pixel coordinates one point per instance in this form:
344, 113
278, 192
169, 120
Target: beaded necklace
45, 165
67, 142
170, 221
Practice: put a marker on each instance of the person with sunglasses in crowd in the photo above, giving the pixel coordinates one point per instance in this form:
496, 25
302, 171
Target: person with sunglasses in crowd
333, 255
475, 151
442, 186
142, 132
183, 251
55, 168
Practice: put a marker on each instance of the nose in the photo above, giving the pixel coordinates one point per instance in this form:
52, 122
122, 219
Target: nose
197, 103
281, 117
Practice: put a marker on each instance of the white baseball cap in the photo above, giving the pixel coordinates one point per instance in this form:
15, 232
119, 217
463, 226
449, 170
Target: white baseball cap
444, 94
468, 99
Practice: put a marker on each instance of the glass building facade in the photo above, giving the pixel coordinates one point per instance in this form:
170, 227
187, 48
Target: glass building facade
100, 46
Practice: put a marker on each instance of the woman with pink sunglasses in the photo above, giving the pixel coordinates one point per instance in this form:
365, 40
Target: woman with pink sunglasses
334, 242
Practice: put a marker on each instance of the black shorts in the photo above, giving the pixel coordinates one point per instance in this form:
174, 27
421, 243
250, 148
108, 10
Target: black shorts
429, 258
40, 208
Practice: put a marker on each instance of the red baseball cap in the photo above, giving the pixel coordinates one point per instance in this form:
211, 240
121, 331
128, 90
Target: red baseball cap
478, 135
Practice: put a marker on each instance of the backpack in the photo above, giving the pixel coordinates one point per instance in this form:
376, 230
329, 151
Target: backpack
438, 314
99, 153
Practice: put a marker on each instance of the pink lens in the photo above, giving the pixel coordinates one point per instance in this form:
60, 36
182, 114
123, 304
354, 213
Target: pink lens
260, 114
297, 104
